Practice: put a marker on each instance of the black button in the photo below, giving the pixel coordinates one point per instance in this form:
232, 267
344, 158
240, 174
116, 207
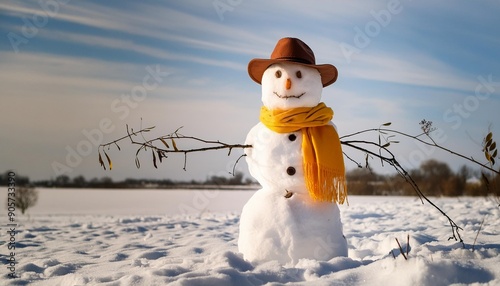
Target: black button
292, 137
290, 171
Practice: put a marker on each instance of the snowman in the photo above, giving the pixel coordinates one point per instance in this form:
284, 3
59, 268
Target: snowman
297, 158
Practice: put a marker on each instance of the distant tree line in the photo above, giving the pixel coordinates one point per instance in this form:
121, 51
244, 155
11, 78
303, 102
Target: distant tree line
64, 181
433, 177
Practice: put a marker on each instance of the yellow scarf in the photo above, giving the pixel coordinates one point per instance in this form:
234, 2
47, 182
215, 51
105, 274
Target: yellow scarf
323, 161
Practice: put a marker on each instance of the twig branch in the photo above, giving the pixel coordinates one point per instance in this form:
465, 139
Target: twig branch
391, 160
161, 152
401, 250
352, 160
237, 160
416, 137
407, 244
478, 231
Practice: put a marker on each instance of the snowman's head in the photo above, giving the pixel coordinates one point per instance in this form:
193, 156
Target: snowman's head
288, 85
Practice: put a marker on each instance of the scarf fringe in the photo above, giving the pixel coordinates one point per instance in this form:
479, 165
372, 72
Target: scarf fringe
331, 186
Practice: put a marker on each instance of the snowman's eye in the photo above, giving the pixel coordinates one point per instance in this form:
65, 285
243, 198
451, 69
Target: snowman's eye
298, 74
278, 74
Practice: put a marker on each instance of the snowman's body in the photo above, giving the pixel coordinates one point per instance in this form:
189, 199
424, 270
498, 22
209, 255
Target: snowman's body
281, 221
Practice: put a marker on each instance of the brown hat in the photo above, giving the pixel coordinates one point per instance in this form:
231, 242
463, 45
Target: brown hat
295, 51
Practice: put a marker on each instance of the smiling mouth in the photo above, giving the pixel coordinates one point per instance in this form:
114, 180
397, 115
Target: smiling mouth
289, 96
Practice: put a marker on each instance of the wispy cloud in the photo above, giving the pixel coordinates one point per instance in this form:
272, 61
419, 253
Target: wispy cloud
143, 21
131, 46
39, 73
417, 70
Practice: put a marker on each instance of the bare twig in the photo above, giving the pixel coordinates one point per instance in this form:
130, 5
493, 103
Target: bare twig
401, 250
391, 160
407, 244
352, 160
478, 231
432, 144
235, 163
161, 152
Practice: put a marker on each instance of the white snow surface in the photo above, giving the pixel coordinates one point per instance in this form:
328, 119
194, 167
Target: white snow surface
189, 237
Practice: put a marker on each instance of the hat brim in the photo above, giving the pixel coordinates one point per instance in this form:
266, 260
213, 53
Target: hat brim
256, 68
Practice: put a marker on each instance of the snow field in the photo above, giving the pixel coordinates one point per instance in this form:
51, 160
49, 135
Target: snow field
74, 243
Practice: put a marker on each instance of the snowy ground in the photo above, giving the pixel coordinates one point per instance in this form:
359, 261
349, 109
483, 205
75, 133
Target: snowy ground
143, 237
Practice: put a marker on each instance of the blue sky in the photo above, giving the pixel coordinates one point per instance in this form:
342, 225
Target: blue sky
67, 68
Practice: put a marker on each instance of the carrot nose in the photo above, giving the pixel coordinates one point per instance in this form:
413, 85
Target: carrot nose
288, 84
